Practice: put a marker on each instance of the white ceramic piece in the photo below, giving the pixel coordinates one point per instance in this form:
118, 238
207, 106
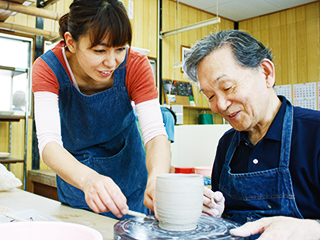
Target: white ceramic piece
8, 180
4, 154
6, 113
179, 200
47, 230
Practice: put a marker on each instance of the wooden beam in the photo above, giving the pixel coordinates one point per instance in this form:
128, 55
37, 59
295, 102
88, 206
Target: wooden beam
25, 29
4, 14
14, 7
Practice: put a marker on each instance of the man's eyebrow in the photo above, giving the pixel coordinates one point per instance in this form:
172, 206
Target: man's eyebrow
218, 78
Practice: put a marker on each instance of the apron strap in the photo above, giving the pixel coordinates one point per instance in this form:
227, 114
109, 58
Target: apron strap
286, 136
231, 148
54, 63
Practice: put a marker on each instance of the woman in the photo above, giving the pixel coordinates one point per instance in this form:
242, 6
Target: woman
86, 127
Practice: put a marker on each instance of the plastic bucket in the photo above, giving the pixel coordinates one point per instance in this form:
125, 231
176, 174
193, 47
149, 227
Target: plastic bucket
205, 118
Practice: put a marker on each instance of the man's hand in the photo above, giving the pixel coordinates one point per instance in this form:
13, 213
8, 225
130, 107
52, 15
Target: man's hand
280, 228
213, 203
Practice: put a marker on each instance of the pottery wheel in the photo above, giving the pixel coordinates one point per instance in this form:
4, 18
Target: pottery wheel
148, 228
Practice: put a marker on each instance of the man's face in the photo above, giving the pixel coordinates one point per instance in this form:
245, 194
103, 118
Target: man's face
238, 94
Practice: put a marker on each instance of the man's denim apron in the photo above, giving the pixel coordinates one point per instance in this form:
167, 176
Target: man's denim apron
251, 196
100, 131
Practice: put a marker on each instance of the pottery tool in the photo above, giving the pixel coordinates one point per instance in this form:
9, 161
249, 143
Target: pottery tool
18, 219
148, 228
136, 214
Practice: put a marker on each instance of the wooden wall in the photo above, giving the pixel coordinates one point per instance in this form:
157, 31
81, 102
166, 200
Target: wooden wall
294, 37
144, 22
175, 17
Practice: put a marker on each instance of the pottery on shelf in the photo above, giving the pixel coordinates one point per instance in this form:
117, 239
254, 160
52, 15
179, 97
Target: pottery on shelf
179, 200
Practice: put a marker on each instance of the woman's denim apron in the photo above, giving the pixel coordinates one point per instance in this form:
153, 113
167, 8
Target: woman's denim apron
100, 131
251, 196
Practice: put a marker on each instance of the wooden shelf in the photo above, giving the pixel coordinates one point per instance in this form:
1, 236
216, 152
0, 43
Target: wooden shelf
197, 108
11, 71
11, 160
192, 107
8, 116
11, 118
43, 182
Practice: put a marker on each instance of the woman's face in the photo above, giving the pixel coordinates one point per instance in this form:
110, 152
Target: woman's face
97, 63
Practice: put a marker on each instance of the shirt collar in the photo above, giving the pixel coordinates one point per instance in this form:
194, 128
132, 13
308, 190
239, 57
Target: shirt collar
275, 130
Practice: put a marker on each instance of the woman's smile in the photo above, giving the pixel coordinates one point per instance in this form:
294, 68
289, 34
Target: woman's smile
106, 73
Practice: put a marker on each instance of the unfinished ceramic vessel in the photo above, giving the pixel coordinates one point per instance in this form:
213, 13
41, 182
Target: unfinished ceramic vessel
179, 199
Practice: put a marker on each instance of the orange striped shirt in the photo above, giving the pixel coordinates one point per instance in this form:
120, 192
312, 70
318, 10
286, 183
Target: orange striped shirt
140, 81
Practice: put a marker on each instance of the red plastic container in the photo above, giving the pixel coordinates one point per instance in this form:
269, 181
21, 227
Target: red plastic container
184, 170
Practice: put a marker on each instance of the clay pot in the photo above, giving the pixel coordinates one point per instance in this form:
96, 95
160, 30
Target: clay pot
179, 200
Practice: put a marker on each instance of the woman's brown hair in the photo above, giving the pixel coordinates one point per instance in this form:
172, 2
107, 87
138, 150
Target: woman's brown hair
99, 19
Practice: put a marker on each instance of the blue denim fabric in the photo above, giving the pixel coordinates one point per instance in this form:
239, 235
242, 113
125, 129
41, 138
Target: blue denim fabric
169, 122
251, 196
100, 131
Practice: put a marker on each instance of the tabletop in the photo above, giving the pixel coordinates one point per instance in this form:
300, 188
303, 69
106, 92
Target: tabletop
17, 200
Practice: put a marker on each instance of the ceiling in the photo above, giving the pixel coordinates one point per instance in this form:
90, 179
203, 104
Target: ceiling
237, 10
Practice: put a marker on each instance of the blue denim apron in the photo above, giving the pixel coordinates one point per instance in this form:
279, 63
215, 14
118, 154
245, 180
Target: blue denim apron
100, 131
251, 196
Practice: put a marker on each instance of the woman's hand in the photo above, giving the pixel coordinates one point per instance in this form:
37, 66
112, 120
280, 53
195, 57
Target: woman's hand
213, 203
280, 228
103, 195
149, 193
158, 162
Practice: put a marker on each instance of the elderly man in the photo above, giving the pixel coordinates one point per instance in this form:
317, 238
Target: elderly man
268, 166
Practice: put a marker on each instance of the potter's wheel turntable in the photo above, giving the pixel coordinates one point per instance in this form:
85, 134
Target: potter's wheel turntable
148, 228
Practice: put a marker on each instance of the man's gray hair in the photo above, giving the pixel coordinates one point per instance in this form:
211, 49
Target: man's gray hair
247, 51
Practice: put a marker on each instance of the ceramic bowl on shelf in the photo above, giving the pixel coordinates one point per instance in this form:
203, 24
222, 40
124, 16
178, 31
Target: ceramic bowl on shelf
4, 154
6, 113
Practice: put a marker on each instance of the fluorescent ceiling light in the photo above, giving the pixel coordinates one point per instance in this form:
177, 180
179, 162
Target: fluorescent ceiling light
191, 27
27, 3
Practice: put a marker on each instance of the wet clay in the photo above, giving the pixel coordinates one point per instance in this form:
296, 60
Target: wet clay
179, 199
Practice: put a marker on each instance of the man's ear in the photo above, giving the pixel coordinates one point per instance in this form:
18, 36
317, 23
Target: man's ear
269, 72
71, 44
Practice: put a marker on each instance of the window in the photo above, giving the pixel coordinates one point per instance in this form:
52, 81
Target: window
15, 85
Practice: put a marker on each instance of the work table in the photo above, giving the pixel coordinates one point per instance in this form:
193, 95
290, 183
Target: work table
18, 200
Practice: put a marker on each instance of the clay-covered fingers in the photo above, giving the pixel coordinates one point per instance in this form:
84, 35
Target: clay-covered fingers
218, 200
104, 195
207, 194
213, 203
